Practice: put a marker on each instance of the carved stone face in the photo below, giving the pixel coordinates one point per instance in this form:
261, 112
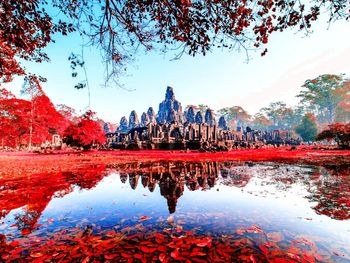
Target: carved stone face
169, 95
123, 123
199, 118
133, 119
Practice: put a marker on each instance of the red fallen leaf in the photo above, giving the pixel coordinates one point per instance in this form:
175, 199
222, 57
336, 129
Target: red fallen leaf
110, 256
189, 233
85, 260
36, 254
162, 257
159, 240
148, 249
175, 253
252, 258
161, 248
253, 229
143, 218
293, 256
158, 235
308, 258
25, 231
198, 260
5, 256
294, 250
124, 255
204, 242
198, 253
263, 249
304, 241
138, 256
14, 244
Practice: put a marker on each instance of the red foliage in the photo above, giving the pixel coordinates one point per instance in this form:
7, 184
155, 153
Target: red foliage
197, 26
170, 245
22, 120
338, 132
85, 133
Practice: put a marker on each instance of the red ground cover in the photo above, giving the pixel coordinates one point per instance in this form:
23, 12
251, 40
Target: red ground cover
61, 160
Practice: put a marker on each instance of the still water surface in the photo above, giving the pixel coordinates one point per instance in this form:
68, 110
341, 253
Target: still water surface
290, 206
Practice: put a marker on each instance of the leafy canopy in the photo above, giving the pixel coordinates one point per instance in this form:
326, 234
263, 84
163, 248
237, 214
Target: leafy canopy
121, 28
307, 128
327, 96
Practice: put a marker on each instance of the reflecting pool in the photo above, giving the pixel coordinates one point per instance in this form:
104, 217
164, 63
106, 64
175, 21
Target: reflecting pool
178, 211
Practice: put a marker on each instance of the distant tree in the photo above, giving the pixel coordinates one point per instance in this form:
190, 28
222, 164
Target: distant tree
307, 128
241, 117
280, 116
260, 122
342, 111
323, 94
338, 132
86, 133
121, 28
203, 108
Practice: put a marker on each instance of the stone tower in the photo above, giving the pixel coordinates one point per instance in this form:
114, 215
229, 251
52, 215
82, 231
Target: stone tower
133, 120
169, 109
209, 117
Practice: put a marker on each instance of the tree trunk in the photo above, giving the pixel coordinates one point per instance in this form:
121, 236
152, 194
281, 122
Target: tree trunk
31, 126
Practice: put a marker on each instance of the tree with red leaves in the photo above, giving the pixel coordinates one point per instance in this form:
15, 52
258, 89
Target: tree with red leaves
338, 132
13, 119
86, 133
28, 122
120, 28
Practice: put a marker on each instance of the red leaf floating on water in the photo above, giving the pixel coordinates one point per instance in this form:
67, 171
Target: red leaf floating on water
253, 229
318, 257
143, 218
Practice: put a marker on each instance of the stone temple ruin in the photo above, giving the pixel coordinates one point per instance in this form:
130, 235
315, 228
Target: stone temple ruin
173, 128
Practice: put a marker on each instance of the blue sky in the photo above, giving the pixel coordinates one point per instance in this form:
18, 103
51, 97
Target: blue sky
220, 79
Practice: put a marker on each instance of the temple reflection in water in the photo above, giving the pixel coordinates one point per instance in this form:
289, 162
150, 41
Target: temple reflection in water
172, 177
328, 188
